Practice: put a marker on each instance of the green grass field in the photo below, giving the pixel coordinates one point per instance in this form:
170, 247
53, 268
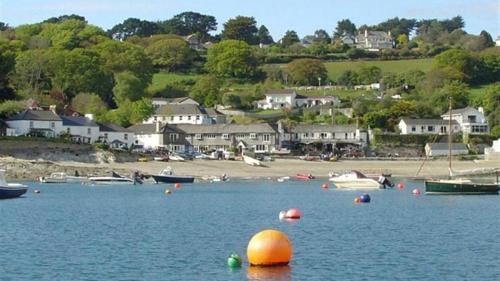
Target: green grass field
335, 69
162, 79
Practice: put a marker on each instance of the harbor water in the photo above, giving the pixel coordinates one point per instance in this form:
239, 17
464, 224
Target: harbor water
77, 232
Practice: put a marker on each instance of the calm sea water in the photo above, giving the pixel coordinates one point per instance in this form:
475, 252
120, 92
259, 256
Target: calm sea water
75, 232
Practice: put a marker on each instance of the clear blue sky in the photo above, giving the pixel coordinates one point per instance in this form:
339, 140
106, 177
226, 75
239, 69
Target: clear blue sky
278, 15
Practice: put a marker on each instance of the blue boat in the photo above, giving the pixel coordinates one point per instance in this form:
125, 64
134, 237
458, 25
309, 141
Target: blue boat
10, 190
167, 176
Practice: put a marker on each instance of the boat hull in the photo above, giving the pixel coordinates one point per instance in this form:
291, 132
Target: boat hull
357, 184
11, 192
172, 179
458, 188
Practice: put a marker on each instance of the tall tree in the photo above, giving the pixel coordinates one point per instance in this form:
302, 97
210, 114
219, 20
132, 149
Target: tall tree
289, 39
62, 18
170, 54
127, 88
264, 36
30, 73
3, 26
133, 26
487, 37
232, 58
306, 71
344, 26
321, 36
189, 23
241, 28
207, 90
398, 26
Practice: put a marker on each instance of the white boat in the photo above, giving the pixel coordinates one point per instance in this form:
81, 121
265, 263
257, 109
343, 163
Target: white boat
357, 180
10, 190
251, 161
61, 178
111, 180
283, 179
174, 157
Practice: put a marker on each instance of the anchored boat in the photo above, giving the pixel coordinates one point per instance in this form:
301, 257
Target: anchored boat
167, 176
10, 190
357, 180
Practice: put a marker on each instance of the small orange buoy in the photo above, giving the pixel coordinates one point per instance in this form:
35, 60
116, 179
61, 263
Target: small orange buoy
357, 200
416, 191
293, 214
325, 186
177, 185
168, 192
269, 248
400, 185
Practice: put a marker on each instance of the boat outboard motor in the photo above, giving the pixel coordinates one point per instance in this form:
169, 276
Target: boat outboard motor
138, 178
385, 182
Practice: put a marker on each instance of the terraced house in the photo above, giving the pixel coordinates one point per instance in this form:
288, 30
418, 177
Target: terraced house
260, 138
185, 113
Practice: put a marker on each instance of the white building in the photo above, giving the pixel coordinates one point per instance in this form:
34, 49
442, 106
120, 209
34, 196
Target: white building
493, 152
408, 126
116, 136
157, 102
374, 40
185, 114
441, 149
36, 122
150, 136
471, 120
81, 129
288, 98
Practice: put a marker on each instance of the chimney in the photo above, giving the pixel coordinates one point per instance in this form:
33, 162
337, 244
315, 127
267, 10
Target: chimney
158, 126
480, 109
53, 108
366, 32
89, 116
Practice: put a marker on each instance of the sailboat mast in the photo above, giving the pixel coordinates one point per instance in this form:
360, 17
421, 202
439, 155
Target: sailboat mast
449, 137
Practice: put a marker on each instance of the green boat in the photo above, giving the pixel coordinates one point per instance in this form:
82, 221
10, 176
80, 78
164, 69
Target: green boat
458, 186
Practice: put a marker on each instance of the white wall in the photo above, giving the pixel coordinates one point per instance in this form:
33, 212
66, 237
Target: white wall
180, 119
22, 127
151, 141
83, 131
119, 136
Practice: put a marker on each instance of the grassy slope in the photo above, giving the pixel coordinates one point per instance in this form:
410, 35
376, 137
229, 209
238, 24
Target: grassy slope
161, 79
335, 69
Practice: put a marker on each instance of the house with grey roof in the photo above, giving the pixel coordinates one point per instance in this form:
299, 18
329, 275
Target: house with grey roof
409, 126
259, 138
374, 40
441, 149
288, 98
185, 114
471, 120
150, 135
116, 136
159, 101
80, 129
36, 122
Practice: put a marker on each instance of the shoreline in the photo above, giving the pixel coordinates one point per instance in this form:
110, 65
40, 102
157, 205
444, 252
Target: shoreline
20, 169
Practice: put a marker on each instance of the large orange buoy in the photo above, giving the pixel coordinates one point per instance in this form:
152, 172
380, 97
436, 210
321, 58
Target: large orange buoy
177, 185
293, 214
357, 200
269, 248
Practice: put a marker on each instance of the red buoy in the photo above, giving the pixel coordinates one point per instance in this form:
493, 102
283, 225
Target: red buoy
325, 186
177, 185
400, 185
293, 214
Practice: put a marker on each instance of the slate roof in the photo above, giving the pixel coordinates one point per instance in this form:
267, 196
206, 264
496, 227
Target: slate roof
110, 127
78, 121
212, 112
459, 111
420, 122
320, 128
280, 92
223, 128
180, 109
444, 146
38, 115
142, 129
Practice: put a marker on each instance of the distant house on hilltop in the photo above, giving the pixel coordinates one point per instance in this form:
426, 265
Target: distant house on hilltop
374, 40
288, 98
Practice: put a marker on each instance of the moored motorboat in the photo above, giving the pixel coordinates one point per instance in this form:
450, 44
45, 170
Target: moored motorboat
167, 176
460, 186
61, 178
10, 190
112, 180
303, 177
357, 180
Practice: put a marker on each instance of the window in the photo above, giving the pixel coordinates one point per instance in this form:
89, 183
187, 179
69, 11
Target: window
471, 118
443, 130
267, 137
323, 135
260, 147
89, 131
240, 136
68, 130
180, 117
189, 117
105, 135
210, 136
125, 136
171, 118
225, 136
305, 135
155, 118
53, 125
430, 128
253, 136
174, 137
346, 136
197, 117
413, 129
31, 124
